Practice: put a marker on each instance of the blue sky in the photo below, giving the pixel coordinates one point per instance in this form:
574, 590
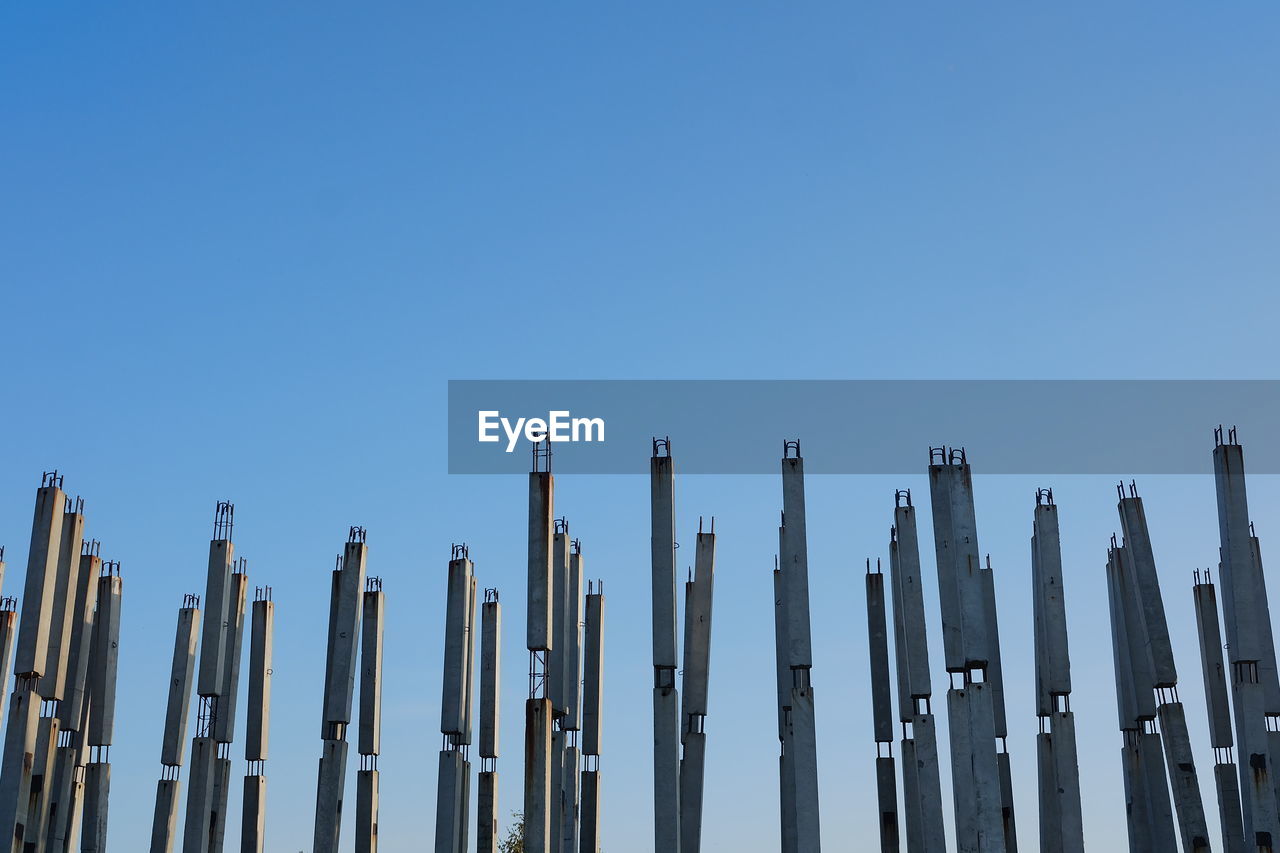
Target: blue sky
242, 250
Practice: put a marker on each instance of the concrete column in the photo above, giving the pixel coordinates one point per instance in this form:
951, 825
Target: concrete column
198, 828
964, 634
371, 673
217, 608
106, 657
666, 704
221, 795
1180, 762
346, 601
261, 652
887, 800
97, 797
329, 794
537, 776
490, 675
572, 793
182, 676
8, 633
224, 728
976, 785
557, 676
1228, 786
19, 757
449, 800
367, 811
43, 783
164, 823
41, 579
1146, 584
487, 812
802, 739
253, 823
924, 740
910, 634
882, 709
62, 610
453, 695
697, 671
72, 709
589, 840
786, 767
572, 658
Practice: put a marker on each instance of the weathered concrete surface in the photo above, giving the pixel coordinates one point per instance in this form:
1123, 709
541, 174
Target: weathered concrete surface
887, 800
164, 823
589, 838
487, 812
537, 776
329, 795
97, 799
182, 672
541, 512
490, 677
261, 652
40, 582
253, 815
1192, 824
449, 796
367, 811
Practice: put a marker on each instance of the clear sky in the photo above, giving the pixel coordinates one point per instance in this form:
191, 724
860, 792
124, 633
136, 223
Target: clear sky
243, 248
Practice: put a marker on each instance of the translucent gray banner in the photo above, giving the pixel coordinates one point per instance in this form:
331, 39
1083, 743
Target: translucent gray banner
1118, 427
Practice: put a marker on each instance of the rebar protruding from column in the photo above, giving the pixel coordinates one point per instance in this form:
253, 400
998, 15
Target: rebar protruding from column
979, 771
258, 722
339, 689
666, 695
490, 681
592, 705
106, 663
1061, 823
30, 660
453, 794
370, 743
538, 710
1250, 645
699, 593
921, 773
882, 710
1152, 636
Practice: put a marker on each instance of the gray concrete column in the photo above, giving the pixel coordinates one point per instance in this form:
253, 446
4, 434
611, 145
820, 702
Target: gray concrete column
666, 704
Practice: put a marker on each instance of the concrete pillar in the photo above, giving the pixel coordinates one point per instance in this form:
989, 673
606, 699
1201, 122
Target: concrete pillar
41, 579
164, 823
882, 709
589, 839
261, 652
62, 610
181, 682
572, 658
43, 783
964, 634
487, 812
666, 705
72, 708
697, 671
910, 635
1161, 810
367, 811
976, 771
342, 663
221, 795
1192, 824
887, 800
537, 776
448, 802
557, 675
802, 739
1228, 787
8, 634
19, 757
197, 829
371, 673
786, 767
1146, 584
1061, 825
224, 728
217, 607
253, 822
572, 793
559, 741
490, 675
453, 695
106, 656
97, 797
928, 776
329, 794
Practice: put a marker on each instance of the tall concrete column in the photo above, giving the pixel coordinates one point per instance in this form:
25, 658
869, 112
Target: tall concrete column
253, 815
177, 717
1250, 647
370, 745
201, 825
699, 593
538, 626
786, 767
490, 682
571, 687
1218, 707
882, 710
30, 659
1061, 821
557, 678
346, 596
802, 739
666, 697
106, 664
971, 650
1153, 634
453, 795
921, 774
592, 708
